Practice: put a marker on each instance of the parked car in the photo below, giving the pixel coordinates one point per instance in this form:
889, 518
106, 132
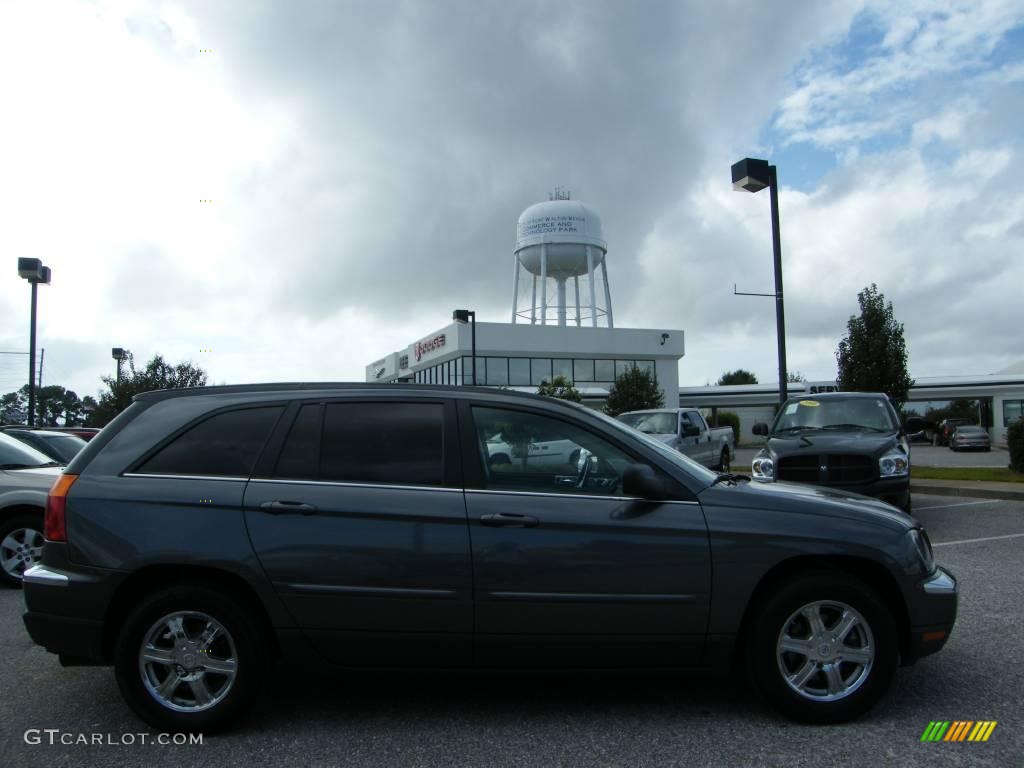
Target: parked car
947, 427
686, 430
26, 476
207, 533
59, 446
850, 441
968, 437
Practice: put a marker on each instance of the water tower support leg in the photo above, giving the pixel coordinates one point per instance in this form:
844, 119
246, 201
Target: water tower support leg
561, 301
593, 293
576, 281
543, 283
515, 287
533, 303
607, 292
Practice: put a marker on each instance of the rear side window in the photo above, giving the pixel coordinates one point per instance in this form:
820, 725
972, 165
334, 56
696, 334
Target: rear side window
393, 443
226, 444
298, 459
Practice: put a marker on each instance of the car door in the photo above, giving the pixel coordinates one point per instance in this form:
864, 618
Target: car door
690, 445
567, 570
705, 451
358, 519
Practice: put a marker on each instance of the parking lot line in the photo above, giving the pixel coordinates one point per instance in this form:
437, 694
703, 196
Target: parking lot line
972, 541
960, 504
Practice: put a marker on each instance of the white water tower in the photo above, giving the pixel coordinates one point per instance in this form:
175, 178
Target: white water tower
555, 241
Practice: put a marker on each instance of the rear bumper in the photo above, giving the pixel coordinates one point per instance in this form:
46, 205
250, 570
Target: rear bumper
65, 610
78, 638
934, 614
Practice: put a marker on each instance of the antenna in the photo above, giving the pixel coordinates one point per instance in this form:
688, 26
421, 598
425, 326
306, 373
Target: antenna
559, 194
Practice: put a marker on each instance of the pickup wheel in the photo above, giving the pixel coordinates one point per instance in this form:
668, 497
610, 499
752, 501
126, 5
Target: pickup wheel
723, 461
823, 648
190, 659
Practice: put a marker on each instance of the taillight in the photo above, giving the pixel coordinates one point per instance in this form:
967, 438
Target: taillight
54, 528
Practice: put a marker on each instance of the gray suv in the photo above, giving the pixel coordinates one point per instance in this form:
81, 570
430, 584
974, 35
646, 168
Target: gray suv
207, 534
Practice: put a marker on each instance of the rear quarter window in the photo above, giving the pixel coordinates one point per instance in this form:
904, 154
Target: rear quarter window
226, 444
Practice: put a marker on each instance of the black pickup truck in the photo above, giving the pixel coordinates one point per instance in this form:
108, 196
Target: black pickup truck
852, 441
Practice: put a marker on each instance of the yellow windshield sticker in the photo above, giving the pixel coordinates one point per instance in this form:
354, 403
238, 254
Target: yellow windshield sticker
810, 403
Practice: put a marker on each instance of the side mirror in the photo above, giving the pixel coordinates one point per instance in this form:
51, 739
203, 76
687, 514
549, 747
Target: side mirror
914, 424
640, 480
760, 428
690, 430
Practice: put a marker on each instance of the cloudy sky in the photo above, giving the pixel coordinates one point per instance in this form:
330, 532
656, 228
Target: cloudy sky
365, 163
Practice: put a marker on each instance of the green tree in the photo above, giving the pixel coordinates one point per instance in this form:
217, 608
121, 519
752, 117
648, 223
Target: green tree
14, 408
634, 390
1015, 442
561, 388
158, 374
873, 355
795, 377
739, 376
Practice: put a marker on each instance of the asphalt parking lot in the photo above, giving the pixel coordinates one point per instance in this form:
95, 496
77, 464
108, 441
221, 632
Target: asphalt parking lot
585, 720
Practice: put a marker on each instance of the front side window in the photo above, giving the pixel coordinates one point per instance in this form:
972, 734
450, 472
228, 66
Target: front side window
224, 445
389, 443
528, 452
652, 423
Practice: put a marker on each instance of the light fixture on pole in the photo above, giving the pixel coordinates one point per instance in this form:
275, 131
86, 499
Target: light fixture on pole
118, 354
754, 175
33, 271
468, 316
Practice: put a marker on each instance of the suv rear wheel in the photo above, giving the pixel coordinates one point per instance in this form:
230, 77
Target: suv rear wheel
21, 546
823, 649
189, 659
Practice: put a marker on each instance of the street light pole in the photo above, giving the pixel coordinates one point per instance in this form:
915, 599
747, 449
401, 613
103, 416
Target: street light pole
754, 175
119, 354
463, 316
33, 271
780, 314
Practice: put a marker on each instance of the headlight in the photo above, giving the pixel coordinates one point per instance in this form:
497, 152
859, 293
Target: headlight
893, 464
762, 467
924, 548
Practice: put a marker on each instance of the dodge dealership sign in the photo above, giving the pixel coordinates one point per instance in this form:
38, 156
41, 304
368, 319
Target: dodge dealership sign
422, 347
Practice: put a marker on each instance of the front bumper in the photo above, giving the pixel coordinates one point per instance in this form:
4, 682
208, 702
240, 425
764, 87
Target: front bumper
933, 613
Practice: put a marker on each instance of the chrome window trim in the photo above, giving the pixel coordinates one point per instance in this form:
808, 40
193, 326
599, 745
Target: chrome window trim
220, 478
40, 574
343, 484
576, 496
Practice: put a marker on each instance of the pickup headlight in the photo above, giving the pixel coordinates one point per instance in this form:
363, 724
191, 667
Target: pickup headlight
924, 548
893, 464
762, 467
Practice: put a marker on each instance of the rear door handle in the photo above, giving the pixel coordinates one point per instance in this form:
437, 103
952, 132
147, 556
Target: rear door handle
288, 508
508, 520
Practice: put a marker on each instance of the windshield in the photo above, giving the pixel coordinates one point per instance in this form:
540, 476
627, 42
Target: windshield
16, 455
685, 463
659, 423
864, 413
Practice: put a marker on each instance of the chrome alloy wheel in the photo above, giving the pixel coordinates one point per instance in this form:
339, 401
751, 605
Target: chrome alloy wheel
188, 661
20, 550
825, 650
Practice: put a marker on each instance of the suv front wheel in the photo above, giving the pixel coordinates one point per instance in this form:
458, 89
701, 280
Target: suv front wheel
823, 649
189, 659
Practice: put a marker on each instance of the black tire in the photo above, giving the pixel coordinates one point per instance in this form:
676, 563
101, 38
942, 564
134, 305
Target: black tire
19, 545
764, 664
723, 461
250, 651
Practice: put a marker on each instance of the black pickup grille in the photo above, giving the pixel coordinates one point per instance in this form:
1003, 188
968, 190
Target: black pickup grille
840, 469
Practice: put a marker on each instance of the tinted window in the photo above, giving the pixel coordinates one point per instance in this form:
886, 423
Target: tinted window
528, 452
301, 449
395, 443
16, 454
226, 444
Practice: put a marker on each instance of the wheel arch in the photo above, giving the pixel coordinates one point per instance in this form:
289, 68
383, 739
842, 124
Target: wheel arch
873, 574
155, 577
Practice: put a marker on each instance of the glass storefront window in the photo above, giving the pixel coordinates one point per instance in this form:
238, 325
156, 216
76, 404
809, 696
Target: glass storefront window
583, 370
519, 371
540, 370
604, 370
562, 368
646, 365
622, 366
1012, 410
497, 370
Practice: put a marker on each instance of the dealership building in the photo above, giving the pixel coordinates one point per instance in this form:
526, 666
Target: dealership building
561, 321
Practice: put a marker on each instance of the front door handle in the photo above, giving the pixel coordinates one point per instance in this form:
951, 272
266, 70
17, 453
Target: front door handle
288, 508
508, 520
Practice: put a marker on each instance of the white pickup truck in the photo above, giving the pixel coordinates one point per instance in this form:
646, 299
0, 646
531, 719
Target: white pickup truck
685, 430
